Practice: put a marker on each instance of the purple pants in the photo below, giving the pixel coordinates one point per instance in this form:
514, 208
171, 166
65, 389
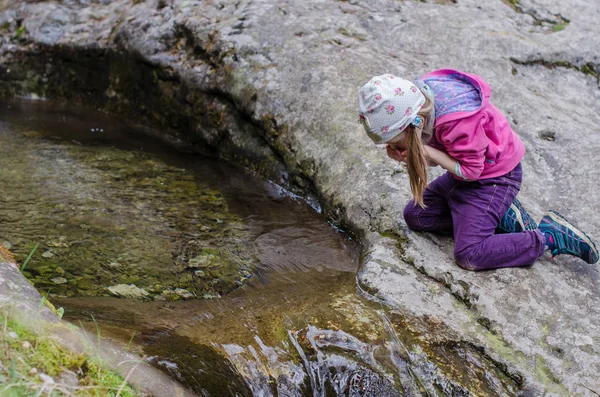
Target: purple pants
472, 210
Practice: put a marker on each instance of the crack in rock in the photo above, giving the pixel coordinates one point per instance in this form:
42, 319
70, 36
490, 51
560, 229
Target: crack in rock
552, 22
587, 68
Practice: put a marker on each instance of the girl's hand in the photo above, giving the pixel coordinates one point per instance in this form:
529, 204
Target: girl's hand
396, 154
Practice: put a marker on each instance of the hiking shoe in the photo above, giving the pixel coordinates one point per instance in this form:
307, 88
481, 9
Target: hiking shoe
516, 219
564, 238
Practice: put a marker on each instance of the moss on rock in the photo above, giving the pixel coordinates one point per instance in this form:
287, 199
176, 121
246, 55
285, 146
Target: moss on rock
31, 362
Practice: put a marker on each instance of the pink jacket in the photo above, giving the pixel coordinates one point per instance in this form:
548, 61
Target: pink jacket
480, 140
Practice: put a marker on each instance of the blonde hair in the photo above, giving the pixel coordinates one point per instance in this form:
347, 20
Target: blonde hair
416, 161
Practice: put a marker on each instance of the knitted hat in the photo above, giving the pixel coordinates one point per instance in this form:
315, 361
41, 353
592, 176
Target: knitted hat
387, 105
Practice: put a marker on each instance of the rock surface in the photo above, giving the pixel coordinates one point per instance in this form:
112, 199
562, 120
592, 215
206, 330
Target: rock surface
272, 85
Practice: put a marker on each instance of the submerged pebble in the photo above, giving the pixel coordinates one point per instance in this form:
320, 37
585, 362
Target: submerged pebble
59, 280
127, 291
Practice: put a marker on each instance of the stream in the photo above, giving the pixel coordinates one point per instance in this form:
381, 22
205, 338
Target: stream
227, 282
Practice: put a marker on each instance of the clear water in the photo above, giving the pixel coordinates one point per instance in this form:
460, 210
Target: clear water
271, 306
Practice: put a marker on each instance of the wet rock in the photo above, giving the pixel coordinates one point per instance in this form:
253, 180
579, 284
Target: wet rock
184, 294
44, 269
176, 294
59, 280
127, 291
61, 243
201, 261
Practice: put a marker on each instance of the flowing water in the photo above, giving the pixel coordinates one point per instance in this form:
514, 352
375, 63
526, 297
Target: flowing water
226, 282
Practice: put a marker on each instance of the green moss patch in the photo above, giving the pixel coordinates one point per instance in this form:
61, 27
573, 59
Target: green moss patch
33, 364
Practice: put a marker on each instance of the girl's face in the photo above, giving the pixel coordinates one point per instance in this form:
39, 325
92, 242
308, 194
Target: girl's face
399, 142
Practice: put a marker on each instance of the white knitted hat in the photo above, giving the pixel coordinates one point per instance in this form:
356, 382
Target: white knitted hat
387, 105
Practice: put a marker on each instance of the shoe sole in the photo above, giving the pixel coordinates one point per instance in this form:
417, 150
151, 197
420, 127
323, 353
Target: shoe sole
558, 218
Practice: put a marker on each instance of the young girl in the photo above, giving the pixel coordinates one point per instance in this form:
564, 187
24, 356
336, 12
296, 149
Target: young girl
446, 119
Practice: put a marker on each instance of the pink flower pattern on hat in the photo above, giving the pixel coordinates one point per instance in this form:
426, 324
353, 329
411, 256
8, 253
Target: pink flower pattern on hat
388, 105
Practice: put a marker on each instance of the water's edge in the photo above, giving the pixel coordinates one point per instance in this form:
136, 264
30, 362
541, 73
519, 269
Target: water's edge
188, 113
306, 323
197, 117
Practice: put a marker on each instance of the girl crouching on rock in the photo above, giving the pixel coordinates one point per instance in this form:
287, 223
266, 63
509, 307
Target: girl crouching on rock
446, 119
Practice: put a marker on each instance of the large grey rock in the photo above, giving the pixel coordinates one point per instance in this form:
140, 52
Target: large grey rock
272, 84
